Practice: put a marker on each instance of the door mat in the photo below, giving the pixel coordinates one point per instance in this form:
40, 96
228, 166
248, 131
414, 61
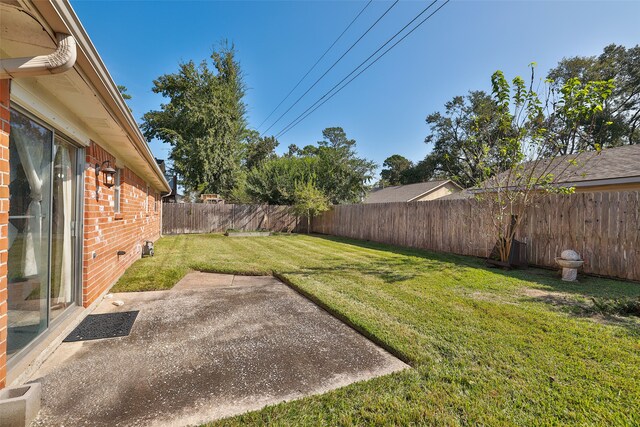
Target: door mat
99, 326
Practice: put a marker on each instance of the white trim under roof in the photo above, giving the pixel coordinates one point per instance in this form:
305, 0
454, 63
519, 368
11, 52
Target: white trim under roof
60, 17
49, 111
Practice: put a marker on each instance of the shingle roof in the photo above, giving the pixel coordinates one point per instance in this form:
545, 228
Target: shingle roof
458, 195
589, 168
610, 163
402, 193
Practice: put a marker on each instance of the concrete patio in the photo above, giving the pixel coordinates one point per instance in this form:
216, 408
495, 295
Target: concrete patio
213, 346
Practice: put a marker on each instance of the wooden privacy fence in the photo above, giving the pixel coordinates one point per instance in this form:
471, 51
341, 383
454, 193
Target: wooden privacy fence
185, 218
604, 227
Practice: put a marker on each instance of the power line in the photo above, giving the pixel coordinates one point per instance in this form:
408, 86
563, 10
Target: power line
314, 65
307, 113
294, 122
334, 64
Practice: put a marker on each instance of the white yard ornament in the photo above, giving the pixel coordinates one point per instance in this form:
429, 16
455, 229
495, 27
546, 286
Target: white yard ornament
570, 262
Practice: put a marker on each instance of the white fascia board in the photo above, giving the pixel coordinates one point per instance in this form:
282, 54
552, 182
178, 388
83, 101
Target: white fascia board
103, 83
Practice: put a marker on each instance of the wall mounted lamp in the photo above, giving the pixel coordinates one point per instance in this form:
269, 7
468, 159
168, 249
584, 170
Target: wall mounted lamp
109, 173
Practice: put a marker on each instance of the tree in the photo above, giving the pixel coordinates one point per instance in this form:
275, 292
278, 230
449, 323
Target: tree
528, 148
274, 181
393, 169
258, 149
123, 91
619, 121
333, 164
203, 121
309, 201
336, 138
342, 175
423, 171
466, 140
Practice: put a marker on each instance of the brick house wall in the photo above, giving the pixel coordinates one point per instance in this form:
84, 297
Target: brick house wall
106, 232
4, 220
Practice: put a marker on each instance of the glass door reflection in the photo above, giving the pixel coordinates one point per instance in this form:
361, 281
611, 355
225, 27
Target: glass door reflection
30, 149
63, 221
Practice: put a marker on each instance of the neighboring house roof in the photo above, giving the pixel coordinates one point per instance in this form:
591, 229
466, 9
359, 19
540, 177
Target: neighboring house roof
617, 165
84, 101
404, 193
609, 166
458, 195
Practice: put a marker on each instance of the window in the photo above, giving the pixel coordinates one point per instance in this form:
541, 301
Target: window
155, 201
116, 191
146, 201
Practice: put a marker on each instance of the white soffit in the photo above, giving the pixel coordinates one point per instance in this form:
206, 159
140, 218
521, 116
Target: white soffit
66, 101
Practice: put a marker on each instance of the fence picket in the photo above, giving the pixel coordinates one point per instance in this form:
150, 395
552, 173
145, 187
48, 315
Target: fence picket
602, 227
187, 218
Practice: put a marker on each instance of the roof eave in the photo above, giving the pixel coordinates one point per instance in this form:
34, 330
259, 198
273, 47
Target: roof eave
432, 190
61, 17
604, 181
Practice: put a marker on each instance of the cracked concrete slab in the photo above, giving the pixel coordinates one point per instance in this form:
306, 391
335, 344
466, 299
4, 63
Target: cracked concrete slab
211, 347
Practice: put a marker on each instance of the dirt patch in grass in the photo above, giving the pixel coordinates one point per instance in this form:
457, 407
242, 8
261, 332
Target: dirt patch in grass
491, 297
560, 299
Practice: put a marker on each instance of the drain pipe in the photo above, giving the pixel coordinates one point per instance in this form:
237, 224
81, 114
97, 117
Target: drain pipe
59, 61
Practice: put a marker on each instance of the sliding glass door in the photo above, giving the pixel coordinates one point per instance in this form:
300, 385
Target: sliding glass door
30, 149
63, 222
43, 211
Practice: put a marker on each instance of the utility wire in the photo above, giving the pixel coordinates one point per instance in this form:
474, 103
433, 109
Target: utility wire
295, 121
307, 112
314, 65
334, 64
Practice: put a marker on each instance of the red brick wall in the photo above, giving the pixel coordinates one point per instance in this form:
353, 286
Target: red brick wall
106, 232
4, 221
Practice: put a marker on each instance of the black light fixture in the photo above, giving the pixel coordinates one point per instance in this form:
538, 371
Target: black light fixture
109, 173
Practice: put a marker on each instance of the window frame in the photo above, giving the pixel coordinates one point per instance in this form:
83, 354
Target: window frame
117, 191
146, 201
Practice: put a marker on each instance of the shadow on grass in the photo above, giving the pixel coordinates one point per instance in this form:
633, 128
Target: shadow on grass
584, 309
572, 297
395, 270
410, 263
440, 257
586, 286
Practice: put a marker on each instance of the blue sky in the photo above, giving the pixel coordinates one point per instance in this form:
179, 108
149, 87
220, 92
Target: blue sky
384, 109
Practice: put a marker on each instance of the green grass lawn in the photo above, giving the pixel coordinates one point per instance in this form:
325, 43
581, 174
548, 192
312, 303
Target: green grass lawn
488, 347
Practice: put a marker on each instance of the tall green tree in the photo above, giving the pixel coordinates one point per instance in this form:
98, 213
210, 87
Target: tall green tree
274, 181
425, 170
467, 140
333, 164
123, 91
203, 121
393, 169
619, 121
343, 176
258, 149
125, 95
